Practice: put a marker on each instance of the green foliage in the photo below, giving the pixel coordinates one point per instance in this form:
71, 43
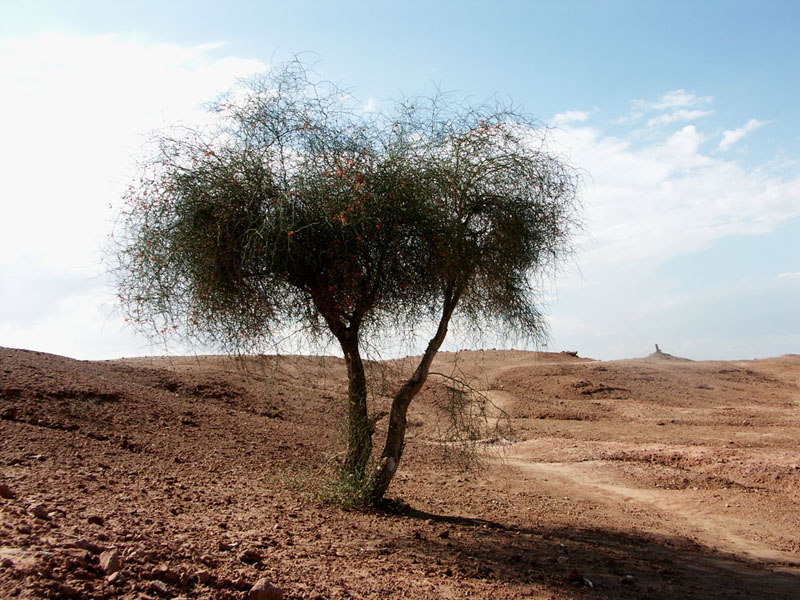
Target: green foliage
298, 208
344, 490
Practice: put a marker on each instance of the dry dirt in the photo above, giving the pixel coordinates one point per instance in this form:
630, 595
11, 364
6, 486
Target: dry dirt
647, 478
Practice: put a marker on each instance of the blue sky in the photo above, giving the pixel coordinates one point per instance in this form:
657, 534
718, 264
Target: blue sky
682, 115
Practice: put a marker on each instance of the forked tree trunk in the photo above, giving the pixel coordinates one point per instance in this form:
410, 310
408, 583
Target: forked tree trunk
396, 434
359, 432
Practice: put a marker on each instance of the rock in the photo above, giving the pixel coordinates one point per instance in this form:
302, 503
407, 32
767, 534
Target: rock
40, 511
165, 573
110, 562
264, 590
67, 591
138, 555
7, 563
85, 544
10, 413
24, 528
96, 520
208, 560
250, 557
240, 584
6, 492
203, 576
159, 587
117, 578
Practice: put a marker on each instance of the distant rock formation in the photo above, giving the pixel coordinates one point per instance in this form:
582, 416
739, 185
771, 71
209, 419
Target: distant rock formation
659, 355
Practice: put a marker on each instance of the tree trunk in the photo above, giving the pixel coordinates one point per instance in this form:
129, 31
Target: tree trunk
359, 432
395, 436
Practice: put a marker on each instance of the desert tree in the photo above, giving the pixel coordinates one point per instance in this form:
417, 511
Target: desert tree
294, 208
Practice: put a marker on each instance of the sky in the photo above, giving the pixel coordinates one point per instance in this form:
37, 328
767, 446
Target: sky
682, 117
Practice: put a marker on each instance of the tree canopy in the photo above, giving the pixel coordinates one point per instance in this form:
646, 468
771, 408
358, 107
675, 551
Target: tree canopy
297, 208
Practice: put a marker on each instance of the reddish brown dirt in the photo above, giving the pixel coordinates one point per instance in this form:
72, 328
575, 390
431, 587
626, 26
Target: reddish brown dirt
649, 478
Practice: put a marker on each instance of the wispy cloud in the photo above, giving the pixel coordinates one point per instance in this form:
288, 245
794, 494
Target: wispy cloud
672, 107
790, 275
570, 116
370, 106
650, 202
678, 115
673, 100
731, 136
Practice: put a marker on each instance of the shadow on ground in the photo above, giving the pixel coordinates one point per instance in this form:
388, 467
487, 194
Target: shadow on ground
596, 563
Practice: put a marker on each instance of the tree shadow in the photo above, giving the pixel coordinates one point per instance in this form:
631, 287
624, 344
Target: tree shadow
596, 562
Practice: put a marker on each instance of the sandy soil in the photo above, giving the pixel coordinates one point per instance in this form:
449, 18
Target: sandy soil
192, 477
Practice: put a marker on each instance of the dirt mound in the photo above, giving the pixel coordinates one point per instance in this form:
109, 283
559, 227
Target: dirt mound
188, 477
660, 355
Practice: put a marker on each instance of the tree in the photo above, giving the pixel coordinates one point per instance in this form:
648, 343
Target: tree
297, 207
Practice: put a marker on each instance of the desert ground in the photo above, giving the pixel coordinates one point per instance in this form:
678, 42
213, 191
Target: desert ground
200, 477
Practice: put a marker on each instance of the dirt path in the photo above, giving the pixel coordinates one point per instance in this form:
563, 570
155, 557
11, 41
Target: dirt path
677, 513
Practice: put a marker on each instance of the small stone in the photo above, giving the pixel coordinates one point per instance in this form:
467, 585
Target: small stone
67, 591
241, 584
264, 590
117, 578
85, 544
250, 557
165, 573
203, 576
573, 576
110, 562
40, 510
6, 492
24, 528
96, 520
208, 560
10, 413
159, 587
7, 563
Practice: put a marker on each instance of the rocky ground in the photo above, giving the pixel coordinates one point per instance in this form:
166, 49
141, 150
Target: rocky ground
200, 478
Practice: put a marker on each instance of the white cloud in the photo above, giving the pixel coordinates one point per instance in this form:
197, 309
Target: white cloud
789, 275
674, 99
648, 201
370, 106
667, 197
678, 115
674, 106
570, 116
74, 112
731, 136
